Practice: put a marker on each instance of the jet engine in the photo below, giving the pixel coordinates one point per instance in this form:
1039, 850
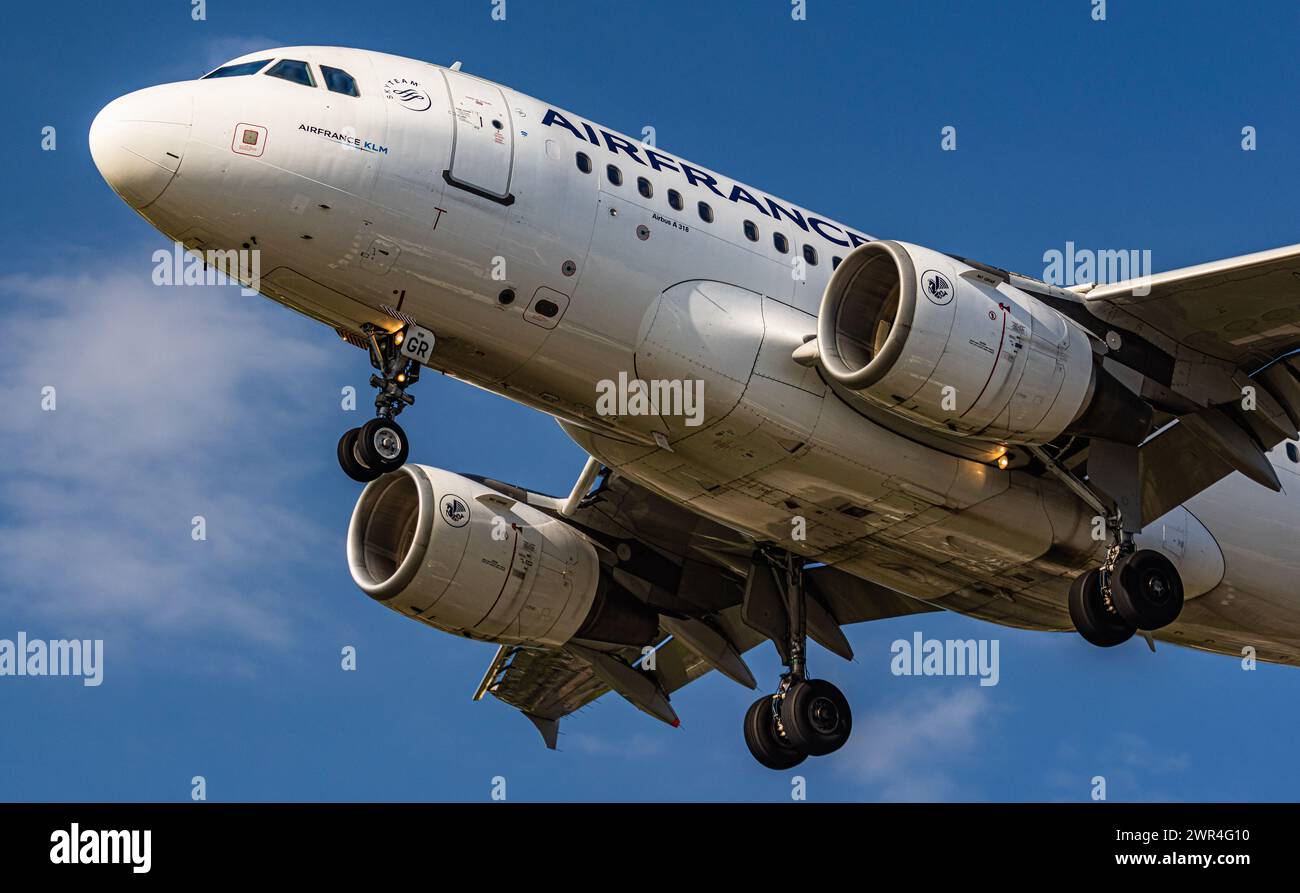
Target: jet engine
955, 348
457, 555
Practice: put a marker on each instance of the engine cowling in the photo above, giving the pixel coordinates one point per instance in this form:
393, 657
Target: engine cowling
953, 347
456, 554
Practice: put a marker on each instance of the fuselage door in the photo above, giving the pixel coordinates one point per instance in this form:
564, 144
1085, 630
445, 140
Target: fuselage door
483, 149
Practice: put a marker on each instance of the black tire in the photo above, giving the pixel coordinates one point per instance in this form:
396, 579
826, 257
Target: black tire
1089, 614
349, 462
1147, 589
816, 717
762, 739
382, 444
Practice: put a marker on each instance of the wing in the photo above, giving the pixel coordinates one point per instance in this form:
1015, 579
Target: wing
1244, 310
693, 571
1211, 348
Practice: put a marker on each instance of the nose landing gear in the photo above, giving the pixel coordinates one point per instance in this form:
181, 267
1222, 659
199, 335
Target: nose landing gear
806, 717
377, 447
380, 445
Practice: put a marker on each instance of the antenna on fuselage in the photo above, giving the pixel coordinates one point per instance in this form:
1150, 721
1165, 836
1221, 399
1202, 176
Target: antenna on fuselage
455, 66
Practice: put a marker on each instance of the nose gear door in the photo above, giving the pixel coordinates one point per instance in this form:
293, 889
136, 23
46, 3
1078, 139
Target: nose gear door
482, 153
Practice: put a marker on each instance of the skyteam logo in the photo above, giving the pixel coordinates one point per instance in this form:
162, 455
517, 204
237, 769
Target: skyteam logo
455, 511
408, 93
937, 287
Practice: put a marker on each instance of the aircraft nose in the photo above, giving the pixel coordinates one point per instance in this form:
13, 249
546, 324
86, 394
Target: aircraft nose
137, 140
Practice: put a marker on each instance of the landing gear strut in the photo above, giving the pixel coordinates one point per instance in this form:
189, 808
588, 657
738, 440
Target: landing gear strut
806, 717
1135, 589
380, 445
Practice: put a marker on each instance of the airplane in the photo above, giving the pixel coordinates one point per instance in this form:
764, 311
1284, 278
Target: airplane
791, 425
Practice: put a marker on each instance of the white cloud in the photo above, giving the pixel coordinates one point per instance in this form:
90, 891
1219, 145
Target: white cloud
170, 400
906, 752
1134, 768
632, 746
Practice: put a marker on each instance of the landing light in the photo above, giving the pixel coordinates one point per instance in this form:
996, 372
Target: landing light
1003, 462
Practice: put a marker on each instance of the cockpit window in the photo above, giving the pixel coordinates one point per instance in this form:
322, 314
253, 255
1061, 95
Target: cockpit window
339, 81
236, 69
292, 70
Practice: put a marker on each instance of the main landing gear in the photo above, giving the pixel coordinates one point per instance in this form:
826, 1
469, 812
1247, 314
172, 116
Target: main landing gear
806, 717
1136, 589
380, 445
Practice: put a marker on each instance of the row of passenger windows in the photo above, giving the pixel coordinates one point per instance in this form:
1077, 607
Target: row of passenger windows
336, 79
615, 176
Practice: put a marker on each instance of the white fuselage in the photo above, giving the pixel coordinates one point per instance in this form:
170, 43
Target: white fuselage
433, 192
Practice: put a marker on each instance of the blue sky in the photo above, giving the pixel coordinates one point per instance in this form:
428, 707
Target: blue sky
222, 657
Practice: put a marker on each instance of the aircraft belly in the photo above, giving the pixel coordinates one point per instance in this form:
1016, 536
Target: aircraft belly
787, 465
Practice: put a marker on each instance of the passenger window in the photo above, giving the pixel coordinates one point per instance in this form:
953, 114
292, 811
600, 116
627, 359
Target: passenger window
751, 231
584, 162
781, 242
810, 255
675, 200
1292, 453
643, 186
835, 262
339, 81
236, 69
706, 213
292, 70
614, 174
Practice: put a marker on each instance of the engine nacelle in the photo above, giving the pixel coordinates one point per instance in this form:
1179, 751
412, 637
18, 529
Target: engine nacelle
456, 554
952, 347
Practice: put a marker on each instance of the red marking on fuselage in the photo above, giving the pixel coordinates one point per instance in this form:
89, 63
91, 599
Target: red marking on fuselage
997, 356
